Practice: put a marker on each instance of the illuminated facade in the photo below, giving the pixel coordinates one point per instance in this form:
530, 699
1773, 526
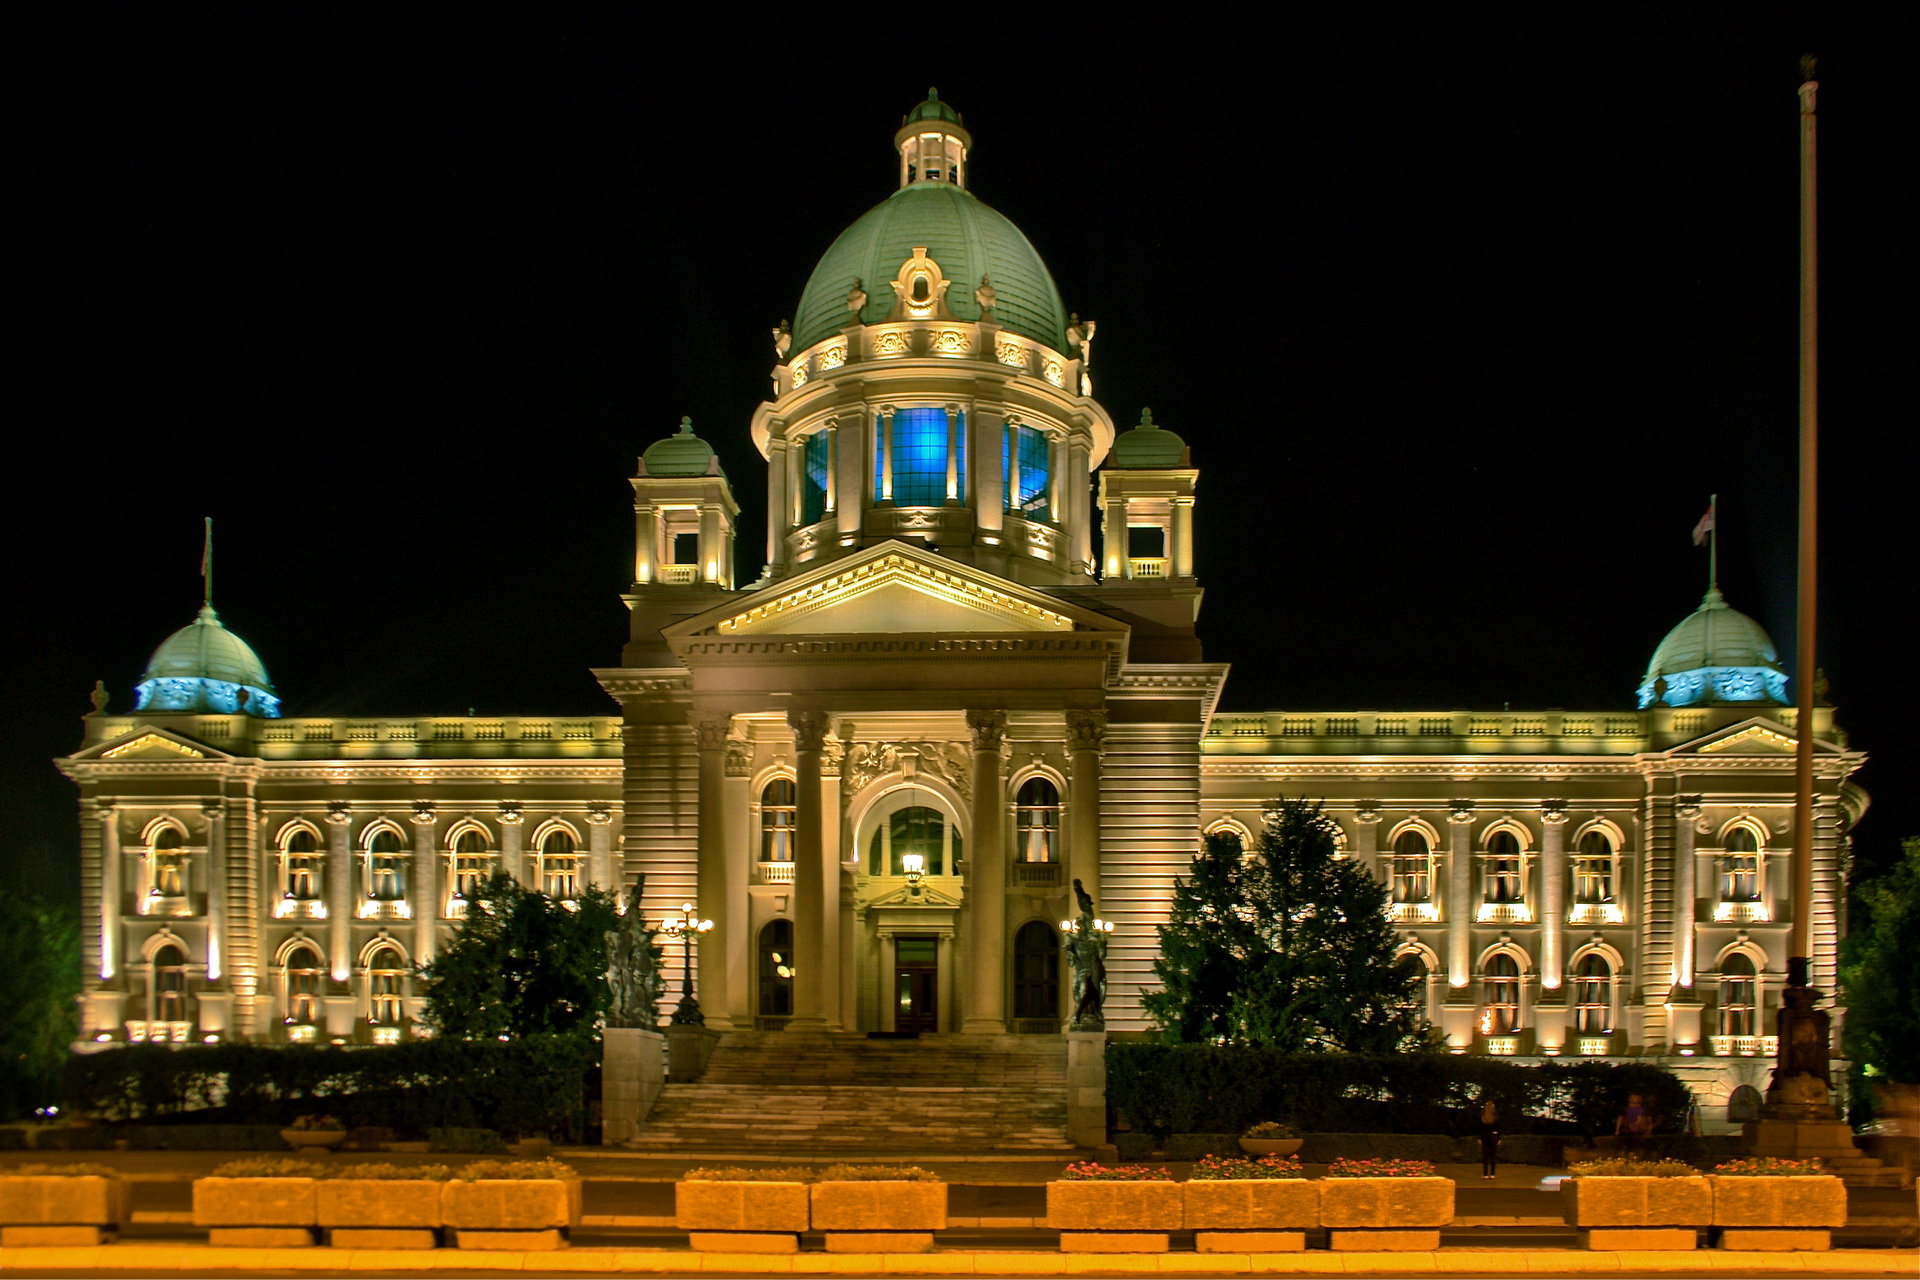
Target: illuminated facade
968, 676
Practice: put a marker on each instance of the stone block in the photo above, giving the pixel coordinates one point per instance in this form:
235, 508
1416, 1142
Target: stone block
1115, 1206
1776, 1240
879, 1206
1251, 1204
1249, 1241
1386, 1203
50, 1237
33, 1200
1113, 1241
743, 1241
879, 1241
752, 1207
509, 1241
383, 1238
1636, 1202
260, 1237
1614, 1239
368, 1202
1377, 1240
254, 1202
1778, 1202
504, 1204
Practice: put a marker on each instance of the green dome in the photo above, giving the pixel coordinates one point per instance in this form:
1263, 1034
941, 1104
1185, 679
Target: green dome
931, 109
205, 667
1148, 447
966, 237
685, 454
1716, 655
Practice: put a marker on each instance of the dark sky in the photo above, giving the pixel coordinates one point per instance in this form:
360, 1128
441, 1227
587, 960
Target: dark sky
1463, 323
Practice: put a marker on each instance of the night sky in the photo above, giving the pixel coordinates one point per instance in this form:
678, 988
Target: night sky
1462, 322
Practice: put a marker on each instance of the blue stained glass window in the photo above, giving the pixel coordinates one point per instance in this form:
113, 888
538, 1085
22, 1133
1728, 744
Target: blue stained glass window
1031, 494
813, 478
919, 440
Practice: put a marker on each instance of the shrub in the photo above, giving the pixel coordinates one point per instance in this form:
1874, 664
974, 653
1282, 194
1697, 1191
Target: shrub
1380, 1169
767, 1173
320, 1124
481, 1142
1628, 1167
1088, 1171
517, 1171
61, 1171
1271, 1130
1220, 1168
1771, 1167
876, 1173
393, 1172
260, 1167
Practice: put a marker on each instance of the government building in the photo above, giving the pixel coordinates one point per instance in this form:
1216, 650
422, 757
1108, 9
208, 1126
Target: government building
968, 675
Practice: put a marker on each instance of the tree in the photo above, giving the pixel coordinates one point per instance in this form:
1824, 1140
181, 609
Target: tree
520, 963
1880, 974
1285, 945
39, 984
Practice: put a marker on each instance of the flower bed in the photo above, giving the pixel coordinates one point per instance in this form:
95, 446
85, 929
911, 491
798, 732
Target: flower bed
383, 1206
743, 1210
1383, 1204
1250, 1206
60, 1204
878, 1208
1114, 1208
1773, 1204
259, 1203
1636, 1204
512, 1204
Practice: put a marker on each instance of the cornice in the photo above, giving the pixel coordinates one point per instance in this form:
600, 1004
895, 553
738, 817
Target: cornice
226, 767
351, 771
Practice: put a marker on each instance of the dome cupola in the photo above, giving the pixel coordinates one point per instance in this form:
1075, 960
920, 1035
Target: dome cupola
1148, 446
203, 667
680, 454
1717, 656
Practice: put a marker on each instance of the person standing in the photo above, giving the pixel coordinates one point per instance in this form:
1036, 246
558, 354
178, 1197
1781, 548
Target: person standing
1489, 1138
1633, 1126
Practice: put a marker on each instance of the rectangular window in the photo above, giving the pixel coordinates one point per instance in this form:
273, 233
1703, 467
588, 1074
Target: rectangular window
1412, 878
1028, 485
1593, 879
1740, 877
813, 478
1503, 880
918, 439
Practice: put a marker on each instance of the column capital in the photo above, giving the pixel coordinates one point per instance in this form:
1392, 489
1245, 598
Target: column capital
1553, 812
1368, 812
104, 810
710, 729
509, 813
809, 729
337, 813
988, 725
1687, 807
1460, 812
212, 808
423, 814
1086, 730
599, 816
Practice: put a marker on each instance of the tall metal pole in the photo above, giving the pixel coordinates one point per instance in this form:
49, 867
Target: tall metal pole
1800, 938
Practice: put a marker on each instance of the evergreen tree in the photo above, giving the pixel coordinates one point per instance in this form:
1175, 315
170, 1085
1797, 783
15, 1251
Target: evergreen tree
1285, 945
1880, 978
39, 985
520, 963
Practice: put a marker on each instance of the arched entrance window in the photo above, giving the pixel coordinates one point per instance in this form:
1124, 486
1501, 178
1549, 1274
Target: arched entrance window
169, 988
779, 819
1739, 996
386, 866
303, 970
776, 969
472, 864
1036, 971
1503, 869
169, 863
1036, 822
914, 831
1412, 868
386, 982
560, 867
1593, 995
301, 855
1501, 987
1740, 870
1593, 870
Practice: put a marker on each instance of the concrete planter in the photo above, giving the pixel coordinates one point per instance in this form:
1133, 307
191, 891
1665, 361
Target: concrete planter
1271, 1146
1777, 1213
256, 1213
1637, 1213
37, 1210
743, 1217
313, 1140
1115, 1217
879, 1217
1383, 1214
365, 1213
508, 1213
1253, 1215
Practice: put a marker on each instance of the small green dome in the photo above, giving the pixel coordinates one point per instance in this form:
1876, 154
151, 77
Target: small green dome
1148, 447
205, 667
968, 238
684, 454
1716, 655
931, 109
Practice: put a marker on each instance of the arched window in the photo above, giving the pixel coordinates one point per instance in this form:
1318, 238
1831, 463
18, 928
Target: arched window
303, 971
1503, 868
1412, 868
1740, 868
1036, 971
386, 984
910, 467
301, 854
1593, 870
169, 863
1739, 996
1501, 986
776, 969
1026, 471
1036, 822
779, 819
913, 832
169, 984
386, 866
559, 867
472, 864
1593, 995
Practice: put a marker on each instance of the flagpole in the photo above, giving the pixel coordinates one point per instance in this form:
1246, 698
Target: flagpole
1713, 542
1800, 936
206, 566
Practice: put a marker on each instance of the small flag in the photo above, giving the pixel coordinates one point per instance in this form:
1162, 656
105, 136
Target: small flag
1705, 527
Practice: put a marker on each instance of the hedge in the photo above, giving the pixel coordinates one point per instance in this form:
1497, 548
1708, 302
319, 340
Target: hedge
526, 1086
1198, 1088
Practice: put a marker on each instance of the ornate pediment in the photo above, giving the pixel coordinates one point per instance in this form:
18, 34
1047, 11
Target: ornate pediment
903, 895
145, 744
1756, 736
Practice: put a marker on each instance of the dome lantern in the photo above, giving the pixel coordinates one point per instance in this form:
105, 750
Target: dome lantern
932, 143
1717, 656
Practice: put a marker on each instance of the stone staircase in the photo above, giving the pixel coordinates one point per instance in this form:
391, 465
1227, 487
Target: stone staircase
793, 1094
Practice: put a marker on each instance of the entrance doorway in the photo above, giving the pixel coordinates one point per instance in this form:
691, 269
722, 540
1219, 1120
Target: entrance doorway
916, 984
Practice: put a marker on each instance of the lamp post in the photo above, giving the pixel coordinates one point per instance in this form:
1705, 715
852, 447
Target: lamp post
686, 926
915, 865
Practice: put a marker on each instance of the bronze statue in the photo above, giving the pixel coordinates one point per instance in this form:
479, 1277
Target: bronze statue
633, 967
1086, 948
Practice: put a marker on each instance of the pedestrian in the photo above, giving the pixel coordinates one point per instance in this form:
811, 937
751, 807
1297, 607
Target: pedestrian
1489, 1138
1633, 1126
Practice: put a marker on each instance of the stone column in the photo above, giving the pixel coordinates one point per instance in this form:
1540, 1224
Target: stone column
1366, 840
217, 890
1086, 734
513, 840
111, 892
986, 1002
1686, 891
711, 566
889, 997
886, 453
425, 883
814, 876
340, 901
1182, 549
600, 848
953, 453
776, 504
646, 536
1553, 894
1460, 895
989, 487
1079, 517
1113, 531
710, 875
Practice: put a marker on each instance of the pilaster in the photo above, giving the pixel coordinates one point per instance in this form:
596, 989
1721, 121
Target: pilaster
425, 885
810, 882
986, 1001
1553, 893
340, 902
710, 741
1460, 894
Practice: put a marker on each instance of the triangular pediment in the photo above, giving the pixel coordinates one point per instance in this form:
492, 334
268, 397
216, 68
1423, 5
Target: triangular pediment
146, 744
894, 589
1756, 736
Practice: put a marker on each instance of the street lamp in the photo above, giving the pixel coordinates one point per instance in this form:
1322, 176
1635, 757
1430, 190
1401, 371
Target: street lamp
686, 926
915, 865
